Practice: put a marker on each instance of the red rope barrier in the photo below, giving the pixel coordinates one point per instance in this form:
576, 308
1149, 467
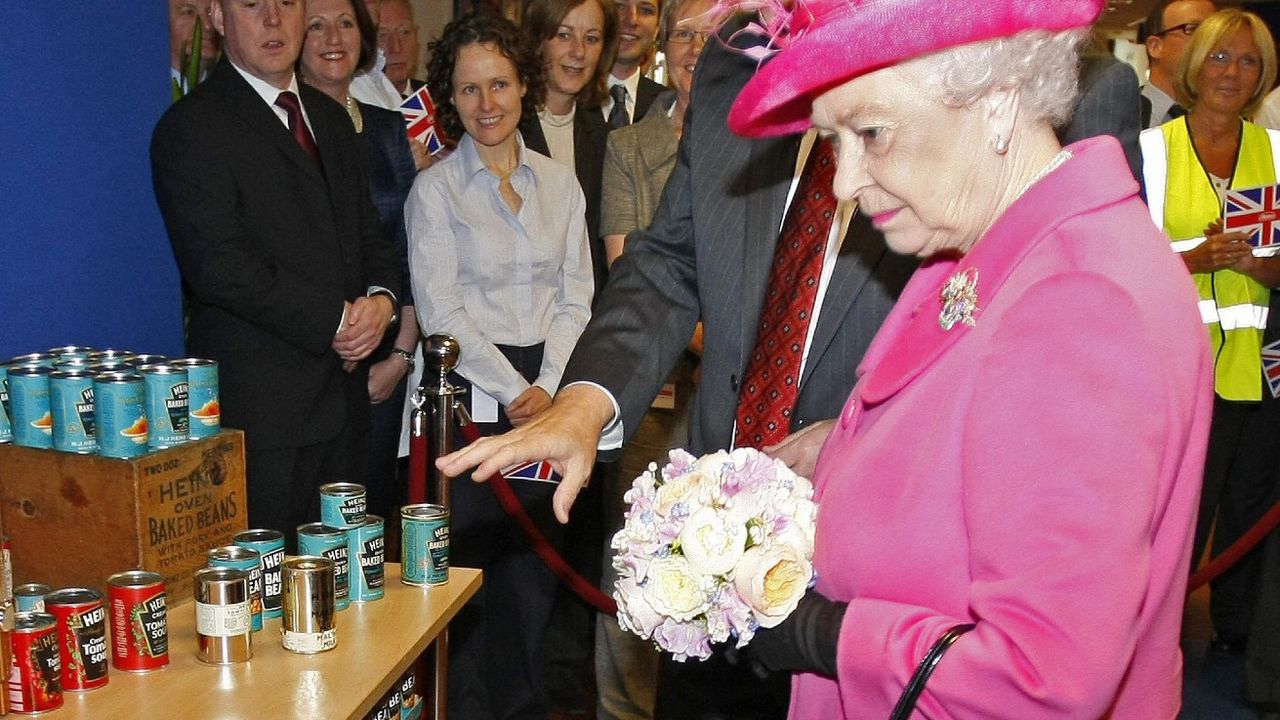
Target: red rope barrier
419, 456
556, 564
1238, 549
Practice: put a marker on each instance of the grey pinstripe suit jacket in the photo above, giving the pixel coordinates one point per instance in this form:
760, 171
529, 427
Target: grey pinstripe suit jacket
707, 255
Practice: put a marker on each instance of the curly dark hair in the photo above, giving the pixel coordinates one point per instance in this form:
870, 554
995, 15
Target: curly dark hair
541, 22
484, 27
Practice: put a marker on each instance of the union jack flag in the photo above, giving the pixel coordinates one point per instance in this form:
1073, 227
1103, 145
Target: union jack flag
537, 471
1271, 367
1255, 211
420, 118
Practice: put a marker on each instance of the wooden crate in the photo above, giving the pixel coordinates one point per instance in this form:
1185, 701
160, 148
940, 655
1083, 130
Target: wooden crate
73, 520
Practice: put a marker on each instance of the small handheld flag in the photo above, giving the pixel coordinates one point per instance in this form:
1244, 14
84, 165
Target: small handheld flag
537, 471
420, 119
1255, 211
1271, 367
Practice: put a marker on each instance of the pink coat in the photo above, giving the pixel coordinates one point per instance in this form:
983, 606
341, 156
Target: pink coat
1036, 474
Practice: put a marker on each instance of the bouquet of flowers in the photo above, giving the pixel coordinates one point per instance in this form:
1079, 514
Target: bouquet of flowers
713, 547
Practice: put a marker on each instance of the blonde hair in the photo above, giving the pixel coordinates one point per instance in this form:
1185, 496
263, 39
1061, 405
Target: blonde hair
1212, 31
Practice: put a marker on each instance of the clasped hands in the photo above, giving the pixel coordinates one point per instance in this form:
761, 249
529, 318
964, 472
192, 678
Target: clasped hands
366, 322
1220, 251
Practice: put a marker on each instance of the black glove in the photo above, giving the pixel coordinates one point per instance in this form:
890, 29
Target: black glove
806, 641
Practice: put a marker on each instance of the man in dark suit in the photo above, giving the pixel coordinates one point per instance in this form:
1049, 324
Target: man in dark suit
706, 255
291, 282
1109, 103
637, 31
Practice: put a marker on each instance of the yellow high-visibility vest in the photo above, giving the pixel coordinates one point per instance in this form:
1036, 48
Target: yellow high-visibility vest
1182, 201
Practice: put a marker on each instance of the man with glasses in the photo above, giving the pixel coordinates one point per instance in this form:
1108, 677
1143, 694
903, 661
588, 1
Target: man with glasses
1168, 28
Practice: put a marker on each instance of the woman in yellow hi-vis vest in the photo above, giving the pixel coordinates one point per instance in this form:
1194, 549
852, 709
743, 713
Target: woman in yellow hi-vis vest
1188, 165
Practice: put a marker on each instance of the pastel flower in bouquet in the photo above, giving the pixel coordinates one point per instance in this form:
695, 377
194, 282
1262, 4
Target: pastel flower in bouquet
713, 548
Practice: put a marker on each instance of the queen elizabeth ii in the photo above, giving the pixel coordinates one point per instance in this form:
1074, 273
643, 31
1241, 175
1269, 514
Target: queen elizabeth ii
1022, 452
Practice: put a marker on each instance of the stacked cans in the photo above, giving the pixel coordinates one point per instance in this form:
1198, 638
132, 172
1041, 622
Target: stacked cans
110, 402
343, 505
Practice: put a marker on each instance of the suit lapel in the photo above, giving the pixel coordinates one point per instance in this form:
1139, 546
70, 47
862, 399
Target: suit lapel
245, 103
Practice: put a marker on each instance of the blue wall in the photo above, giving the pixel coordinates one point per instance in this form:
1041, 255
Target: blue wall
84, 258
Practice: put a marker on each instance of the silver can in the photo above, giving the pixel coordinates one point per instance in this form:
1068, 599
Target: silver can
224, 623
309, 601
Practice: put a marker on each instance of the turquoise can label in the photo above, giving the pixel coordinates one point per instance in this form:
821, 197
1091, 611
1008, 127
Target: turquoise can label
167, 412
71, 403
343, 505
322, 541
120, 406
204, 410
270, 546
424, 545
31, 420
6, 431
368, 548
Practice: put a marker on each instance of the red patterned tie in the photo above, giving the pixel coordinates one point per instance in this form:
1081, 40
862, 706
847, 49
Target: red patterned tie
297, 124
772, 381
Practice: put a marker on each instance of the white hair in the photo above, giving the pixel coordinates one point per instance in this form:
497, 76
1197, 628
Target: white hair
1042, 65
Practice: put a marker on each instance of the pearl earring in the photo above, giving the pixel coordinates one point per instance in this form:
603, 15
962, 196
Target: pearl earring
1001, 144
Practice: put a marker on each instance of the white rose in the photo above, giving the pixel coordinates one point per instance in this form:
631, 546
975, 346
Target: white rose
771, 579
634, 613
692, 486
673, 590
712, 542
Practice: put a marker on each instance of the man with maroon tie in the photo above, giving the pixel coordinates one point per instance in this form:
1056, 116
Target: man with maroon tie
290, 281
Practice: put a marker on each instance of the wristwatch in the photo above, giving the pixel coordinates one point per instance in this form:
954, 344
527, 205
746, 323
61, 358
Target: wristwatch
404, 355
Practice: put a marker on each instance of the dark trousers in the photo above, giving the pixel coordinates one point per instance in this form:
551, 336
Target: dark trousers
716, 689
284, 483
497, 642
1240, 476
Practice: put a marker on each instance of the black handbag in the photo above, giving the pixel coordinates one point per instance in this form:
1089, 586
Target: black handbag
915, 686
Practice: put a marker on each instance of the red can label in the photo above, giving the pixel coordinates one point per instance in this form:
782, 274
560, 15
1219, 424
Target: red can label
139, 627
35, 674
82, 641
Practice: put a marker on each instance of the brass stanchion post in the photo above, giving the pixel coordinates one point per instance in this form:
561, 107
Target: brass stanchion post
440, 353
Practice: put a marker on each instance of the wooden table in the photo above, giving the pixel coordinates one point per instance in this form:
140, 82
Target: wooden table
377, 642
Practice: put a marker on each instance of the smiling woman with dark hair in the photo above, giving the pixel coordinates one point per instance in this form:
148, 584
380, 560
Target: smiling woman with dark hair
499, 260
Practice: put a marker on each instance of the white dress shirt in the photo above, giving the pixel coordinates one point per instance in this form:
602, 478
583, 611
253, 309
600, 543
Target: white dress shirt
489, 277
632, 84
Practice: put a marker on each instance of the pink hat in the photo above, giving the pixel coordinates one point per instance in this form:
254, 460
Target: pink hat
829, 42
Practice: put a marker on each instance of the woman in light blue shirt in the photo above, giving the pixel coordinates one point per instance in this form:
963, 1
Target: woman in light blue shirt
499, 259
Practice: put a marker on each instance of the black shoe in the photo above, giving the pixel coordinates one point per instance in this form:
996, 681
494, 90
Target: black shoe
1227, 645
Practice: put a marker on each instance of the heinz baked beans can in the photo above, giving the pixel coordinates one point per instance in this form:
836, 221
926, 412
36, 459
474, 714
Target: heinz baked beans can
270, 546
149, 359
71, 405
166, 399
45, 359
203, 407
248, 560
82, 637
111, 355
139, 621
35, 670
321, 540
72, 352
6, 429
343, 505
368, 554
119, 400
424, 544
308, 625
31, 417
29, 597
